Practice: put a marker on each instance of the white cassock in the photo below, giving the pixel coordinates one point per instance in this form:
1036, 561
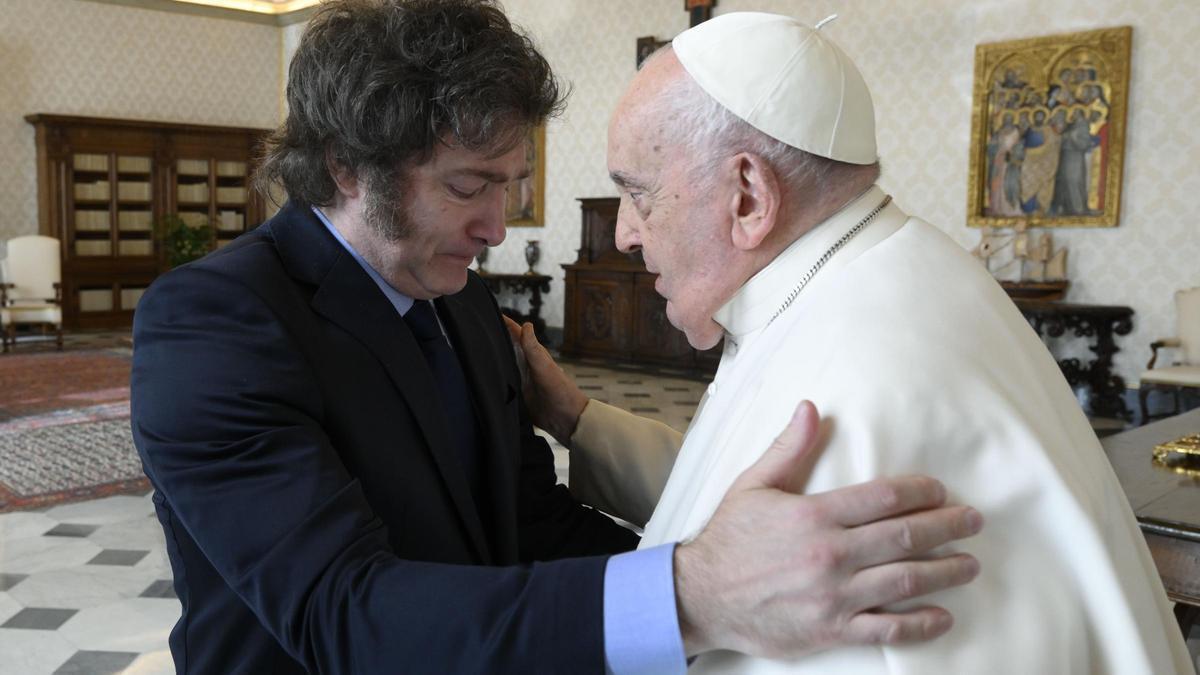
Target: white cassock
919, 363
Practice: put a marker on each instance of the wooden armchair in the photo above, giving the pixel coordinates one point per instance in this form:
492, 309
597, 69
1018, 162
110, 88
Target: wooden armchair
1185, 372
31, 293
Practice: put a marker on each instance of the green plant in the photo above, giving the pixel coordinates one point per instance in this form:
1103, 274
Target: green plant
184, 243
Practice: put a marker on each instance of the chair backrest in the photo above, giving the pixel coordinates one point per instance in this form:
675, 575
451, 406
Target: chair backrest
1187, 312
33, 267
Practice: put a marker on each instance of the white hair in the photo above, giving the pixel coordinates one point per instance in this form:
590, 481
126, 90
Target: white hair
709, 133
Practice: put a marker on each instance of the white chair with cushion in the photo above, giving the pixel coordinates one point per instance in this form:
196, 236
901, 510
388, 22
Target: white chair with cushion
1185, 371
32, 293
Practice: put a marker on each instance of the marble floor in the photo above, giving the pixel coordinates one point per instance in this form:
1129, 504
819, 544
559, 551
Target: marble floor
86, 587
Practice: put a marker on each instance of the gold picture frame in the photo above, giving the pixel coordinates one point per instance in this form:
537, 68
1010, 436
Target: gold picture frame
1048, 130
525, 205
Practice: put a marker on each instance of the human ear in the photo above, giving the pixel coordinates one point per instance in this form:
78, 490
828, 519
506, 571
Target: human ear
755, 203
345, 179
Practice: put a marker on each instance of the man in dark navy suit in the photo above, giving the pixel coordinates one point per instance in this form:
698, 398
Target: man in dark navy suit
330, 412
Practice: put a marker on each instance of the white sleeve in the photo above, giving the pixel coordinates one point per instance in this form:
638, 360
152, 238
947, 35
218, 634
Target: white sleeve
620, 461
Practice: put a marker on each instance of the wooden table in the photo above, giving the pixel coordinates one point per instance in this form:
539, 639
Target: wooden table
1101, 322
533, 285
1167, 507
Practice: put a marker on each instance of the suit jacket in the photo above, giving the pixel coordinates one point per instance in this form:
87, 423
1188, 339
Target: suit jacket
316, 515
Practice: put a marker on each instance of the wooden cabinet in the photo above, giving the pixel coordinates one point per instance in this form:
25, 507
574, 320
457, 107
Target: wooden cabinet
104, 184
612, 309
654, 337
603, 312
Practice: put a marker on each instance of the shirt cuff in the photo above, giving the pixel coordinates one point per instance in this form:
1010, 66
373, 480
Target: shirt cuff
641, 627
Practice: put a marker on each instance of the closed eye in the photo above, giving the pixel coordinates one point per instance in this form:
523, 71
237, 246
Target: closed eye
640, 204
464, 192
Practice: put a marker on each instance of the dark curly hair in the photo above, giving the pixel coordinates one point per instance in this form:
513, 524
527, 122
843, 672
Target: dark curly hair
376, 84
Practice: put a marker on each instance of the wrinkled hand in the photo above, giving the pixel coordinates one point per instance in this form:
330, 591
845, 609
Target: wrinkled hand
779, 575
554, 402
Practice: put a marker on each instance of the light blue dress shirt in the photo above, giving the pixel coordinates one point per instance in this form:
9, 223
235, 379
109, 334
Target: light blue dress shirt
641, 628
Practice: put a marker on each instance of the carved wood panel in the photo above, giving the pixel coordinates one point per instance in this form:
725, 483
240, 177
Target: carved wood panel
604, 313
612, 309
654, 336
599, 235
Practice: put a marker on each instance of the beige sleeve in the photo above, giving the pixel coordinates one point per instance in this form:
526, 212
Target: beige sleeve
620, 461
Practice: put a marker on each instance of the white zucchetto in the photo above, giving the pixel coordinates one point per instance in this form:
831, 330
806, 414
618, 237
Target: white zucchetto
785, 79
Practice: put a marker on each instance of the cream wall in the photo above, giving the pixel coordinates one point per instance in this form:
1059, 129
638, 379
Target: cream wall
917, 57
591, 46
85, 58
291, 40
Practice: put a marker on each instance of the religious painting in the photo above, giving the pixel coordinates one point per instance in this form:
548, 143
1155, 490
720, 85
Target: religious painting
1048, 130
526, 201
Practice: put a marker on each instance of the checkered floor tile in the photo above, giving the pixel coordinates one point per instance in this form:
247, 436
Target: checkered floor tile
82, 589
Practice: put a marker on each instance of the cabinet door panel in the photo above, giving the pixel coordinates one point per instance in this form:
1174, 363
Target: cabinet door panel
605, 315
654, 336
599, 235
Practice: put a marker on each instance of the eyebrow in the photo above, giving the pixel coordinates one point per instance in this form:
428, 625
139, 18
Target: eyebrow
626, 181
492, 176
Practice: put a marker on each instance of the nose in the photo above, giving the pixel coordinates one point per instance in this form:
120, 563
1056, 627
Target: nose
628, 239
489, 225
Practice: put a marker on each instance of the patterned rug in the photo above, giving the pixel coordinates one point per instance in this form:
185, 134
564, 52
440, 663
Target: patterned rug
35, 383
64, 428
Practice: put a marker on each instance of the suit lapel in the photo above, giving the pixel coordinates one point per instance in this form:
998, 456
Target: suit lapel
349, 298
489, 391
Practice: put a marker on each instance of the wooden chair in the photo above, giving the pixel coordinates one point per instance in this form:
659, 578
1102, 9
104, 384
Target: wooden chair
1185, 372
31, 294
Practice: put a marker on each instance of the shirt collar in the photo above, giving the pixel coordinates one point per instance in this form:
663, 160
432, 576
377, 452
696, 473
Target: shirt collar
400, 301
752, 307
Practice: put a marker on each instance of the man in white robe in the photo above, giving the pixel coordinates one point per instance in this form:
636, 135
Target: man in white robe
919, 363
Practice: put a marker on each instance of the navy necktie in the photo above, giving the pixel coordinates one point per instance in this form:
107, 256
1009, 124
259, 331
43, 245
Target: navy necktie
452, 389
